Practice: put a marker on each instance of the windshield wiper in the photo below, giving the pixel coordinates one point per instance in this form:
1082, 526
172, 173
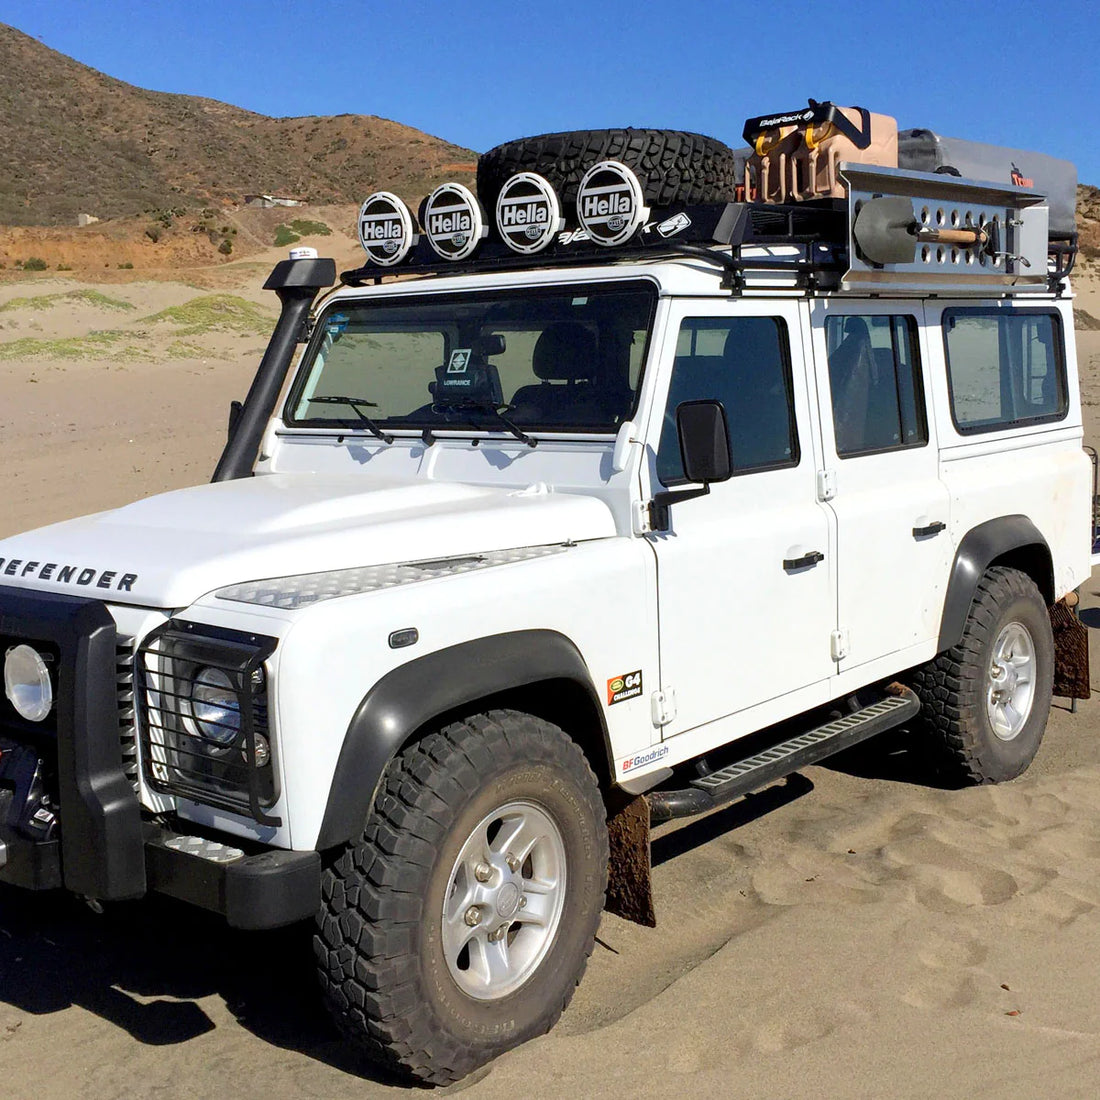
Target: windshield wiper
488, 406
356, 405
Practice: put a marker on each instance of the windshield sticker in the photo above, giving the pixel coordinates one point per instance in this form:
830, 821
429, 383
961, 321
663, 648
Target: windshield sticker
459, 361
621, 688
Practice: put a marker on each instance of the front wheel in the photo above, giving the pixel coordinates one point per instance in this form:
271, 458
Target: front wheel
985, 702
459, 924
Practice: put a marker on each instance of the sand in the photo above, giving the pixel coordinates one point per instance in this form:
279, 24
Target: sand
853, 932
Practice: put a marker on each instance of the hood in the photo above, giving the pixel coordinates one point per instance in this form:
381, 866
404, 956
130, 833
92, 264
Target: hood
168, 550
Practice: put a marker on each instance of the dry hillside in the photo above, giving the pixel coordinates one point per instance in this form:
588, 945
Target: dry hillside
78, 140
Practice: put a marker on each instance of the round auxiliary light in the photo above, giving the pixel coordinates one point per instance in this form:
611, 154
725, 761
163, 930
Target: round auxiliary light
27, 683
453, 221
610, 203
215, 707
528, 213
386, 229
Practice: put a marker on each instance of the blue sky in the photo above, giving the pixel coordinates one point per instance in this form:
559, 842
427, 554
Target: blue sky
476, 73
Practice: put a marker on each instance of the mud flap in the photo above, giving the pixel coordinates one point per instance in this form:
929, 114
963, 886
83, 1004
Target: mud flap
629, 886
1071, 653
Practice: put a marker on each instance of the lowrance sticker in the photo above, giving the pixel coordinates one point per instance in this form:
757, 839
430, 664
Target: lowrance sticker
621, 688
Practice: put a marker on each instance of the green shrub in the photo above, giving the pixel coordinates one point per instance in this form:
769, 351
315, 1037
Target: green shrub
284, 235
126, 266
153, 233
225, 247
306, 228
60, 267
35, 263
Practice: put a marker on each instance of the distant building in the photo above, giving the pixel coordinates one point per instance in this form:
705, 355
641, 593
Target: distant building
86, 219
272, 200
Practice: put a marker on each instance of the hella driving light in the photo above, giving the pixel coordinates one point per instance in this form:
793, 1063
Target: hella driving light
27, 683
215, 707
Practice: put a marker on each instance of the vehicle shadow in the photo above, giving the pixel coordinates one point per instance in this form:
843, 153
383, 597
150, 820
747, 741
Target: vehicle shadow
144, 966
897, 755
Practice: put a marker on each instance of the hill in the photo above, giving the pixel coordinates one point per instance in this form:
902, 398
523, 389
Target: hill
79, 140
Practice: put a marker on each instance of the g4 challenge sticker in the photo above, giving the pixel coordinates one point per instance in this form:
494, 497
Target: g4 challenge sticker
621, 688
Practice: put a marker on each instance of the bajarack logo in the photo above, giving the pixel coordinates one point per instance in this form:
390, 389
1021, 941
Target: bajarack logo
385, 229
68, 574
639, 760
784, 120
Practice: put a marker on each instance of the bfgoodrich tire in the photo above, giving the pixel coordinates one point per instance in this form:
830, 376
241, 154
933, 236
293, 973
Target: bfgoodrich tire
461, 921
985, 701
673, 166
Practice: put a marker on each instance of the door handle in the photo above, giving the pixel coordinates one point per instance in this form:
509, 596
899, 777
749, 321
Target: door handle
812, 558
931, 529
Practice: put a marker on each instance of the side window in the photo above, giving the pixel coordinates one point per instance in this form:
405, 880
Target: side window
875, 379
1004, 368
742, 362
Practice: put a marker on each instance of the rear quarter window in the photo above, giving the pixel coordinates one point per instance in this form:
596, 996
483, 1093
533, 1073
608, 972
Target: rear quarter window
1005, 368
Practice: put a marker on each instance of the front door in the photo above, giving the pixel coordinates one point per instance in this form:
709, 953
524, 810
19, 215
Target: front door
745, 574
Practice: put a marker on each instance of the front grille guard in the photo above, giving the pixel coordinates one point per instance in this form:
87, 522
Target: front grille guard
175, 758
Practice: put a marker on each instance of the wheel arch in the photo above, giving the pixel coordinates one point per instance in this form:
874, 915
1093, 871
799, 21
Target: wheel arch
1012, 541
539, 671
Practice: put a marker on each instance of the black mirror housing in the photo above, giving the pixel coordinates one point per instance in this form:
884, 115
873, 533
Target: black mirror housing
704, 437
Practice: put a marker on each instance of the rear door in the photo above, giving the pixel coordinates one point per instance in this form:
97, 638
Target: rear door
892, 509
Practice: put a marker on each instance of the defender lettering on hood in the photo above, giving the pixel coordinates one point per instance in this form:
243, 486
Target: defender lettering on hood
68, 574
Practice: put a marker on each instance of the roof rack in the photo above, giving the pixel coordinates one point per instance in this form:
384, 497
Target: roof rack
897, 231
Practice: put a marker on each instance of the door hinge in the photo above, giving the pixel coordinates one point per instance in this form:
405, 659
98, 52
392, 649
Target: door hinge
839, 644
640, 522
826, 484
663, 705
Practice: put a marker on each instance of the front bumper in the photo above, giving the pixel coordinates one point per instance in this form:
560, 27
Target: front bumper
269, 889
69, 813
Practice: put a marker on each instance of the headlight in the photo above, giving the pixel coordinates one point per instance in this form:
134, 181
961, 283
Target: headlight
27, 683
215, 707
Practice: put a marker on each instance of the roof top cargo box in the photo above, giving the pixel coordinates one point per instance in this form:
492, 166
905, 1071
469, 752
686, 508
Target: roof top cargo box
926, 151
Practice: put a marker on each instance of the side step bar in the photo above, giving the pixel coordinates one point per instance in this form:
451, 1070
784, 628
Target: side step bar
895, 708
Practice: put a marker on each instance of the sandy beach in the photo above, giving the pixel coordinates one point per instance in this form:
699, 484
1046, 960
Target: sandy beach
853, 932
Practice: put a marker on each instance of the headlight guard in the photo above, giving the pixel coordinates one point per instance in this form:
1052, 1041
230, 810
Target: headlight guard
202, 704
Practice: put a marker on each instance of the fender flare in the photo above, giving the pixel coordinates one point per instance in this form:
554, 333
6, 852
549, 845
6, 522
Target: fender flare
413, 694
980, 546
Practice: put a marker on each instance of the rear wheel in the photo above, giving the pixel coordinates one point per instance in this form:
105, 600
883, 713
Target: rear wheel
985, 701
460, 923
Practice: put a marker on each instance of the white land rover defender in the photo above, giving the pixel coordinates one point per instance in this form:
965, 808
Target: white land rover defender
675, 472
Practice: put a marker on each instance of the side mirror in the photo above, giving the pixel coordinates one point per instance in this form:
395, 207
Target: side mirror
705, 451
704, 437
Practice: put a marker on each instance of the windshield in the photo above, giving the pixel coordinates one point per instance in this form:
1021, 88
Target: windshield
555, 359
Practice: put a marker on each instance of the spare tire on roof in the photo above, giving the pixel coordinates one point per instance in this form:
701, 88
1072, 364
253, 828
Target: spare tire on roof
673, 166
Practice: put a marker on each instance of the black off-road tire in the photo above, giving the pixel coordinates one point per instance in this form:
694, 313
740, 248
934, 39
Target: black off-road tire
378, 940
953, 687
673, 166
